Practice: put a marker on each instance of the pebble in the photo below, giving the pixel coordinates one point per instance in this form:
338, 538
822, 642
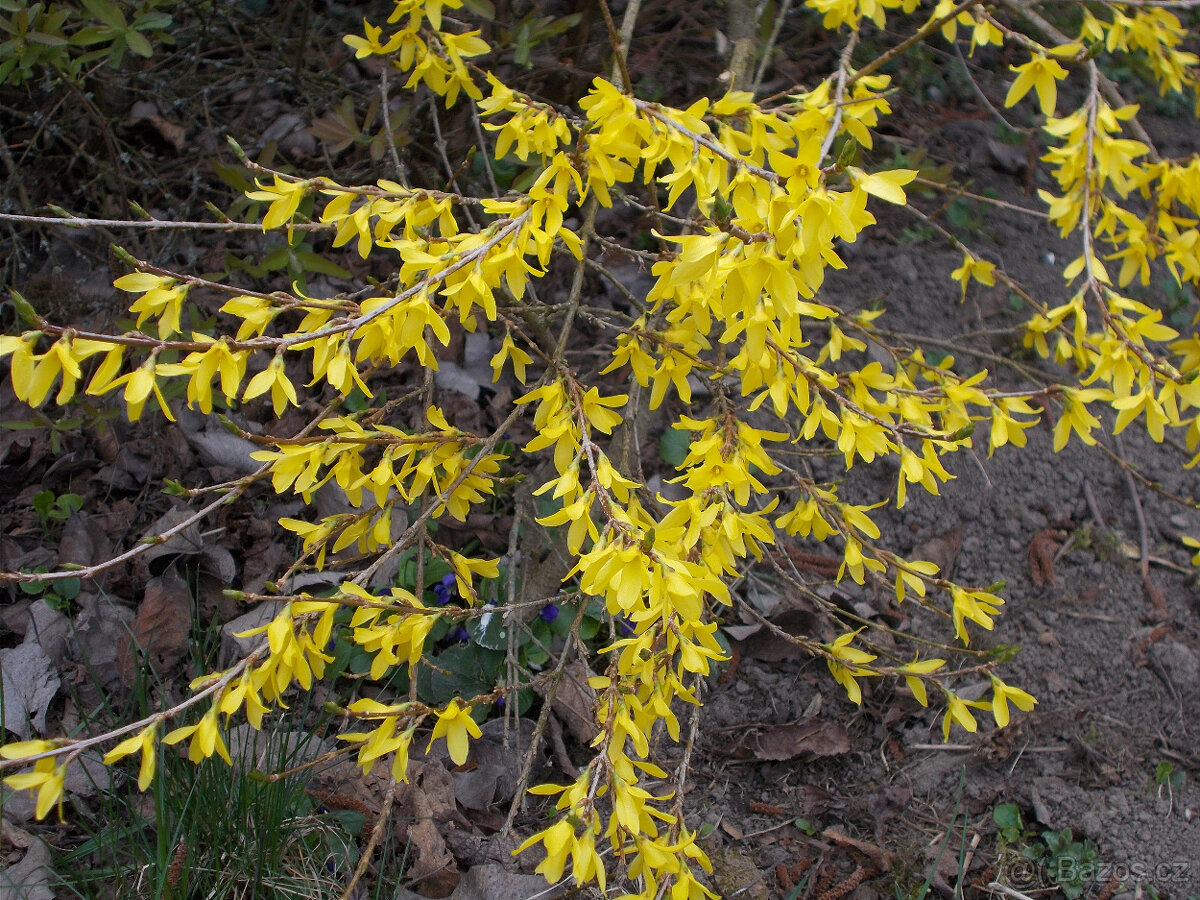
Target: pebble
1117, 802
903, 266
1007, 527
1033, 520
1178, 661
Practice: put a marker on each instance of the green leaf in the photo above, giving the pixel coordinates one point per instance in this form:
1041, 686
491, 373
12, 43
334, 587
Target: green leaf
463, 670
483, 9
68, 588
93, 34
805, 826
152, 21
673, 447
69, 504
43, 502
107, 12
138, 44
1007, 817
174, 489
311, 262
46, 40
489, 631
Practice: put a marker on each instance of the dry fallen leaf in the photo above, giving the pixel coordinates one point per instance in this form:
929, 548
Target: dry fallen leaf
29, 683
160, 628
575, 701
813, 736
496, 769
494, 882
941, 550
425, 803
30, 878
1042, 550
101, 629
147, 111
49, 629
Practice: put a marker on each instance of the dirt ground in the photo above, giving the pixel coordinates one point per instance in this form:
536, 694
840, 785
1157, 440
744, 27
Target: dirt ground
1113, 667
803, 794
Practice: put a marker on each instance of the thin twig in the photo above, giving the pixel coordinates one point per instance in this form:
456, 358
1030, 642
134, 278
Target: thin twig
1143, 530
983, 98
440, 144
769, 47
628, 22
619, 47
839, 94
373, 841
539, 729
923, 32
483, 149
142, 546
572, 304
74, 748
151, 224
963, 192
384, 99
405, 540
1007, 891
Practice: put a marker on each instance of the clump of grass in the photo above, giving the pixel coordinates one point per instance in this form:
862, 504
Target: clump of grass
214, 832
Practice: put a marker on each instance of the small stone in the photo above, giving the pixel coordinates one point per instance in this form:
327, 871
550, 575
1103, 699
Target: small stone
1117, 802
904, 267
1178, 661
1033, 520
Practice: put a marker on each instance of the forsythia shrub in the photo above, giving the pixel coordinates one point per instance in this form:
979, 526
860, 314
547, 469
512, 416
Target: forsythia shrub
755, 198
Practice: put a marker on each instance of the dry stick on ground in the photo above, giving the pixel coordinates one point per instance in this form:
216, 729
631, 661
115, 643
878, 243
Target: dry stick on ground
1158, 603
1007, 891
540, 728
376, 834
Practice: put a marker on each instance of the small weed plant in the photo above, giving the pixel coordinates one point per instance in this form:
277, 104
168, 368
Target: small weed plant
753, 199
1054, 856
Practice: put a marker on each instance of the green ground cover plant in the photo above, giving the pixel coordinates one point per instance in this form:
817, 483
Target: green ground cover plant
754, 199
